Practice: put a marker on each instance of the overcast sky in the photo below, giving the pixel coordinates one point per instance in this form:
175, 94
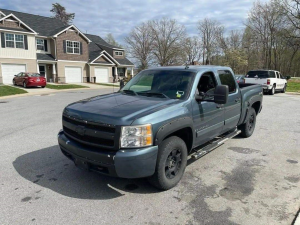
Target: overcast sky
120, 16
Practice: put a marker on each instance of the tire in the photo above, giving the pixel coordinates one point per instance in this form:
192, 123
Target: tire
248, 127
24, 85
171, 163
43, 86
272, 91
284, 89
14, 83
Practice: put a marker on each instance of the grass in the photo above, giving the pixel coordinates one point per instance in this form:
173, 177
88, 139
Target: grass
112, 85
8, 90
64, 86
293, 85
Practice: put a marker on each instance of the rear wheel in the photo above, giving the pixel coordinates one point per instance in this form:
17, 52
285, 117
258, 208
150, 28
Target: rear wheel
43, 86
272, 91
14, 83
284, 89
171, 163
248, 127
24, 85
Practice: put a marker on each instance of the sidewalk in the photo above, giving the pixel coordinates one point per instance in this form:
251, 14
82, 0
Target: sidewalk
43, 91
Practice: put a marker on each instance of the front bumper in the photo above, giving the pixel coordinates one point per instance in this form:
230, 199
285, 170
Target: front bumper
129, 163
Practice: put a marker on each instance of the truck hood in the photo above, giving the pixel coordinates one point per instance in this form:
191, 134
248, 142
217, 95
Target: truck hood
116, 108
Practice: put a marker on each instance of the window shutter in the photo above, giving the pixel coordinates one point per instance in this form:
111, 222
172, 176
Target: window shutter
80, 48
25, 42
45, 45
2, 40
65, 46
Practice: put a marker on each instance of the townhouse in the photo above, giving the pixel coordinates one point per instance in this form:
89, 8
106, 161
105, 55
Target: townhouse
61, 53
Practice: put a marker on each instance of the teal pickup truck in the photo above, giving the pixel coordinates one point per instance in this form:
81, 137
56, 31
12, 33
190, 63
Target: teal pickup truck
157, 121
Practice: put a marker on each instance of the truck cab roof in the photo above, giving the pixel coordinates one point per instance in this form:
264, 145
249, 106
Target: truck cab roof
192, 68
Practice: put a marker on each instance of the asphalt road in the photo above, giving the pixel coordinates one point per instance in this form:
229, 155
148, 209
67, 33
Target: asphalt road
245, 181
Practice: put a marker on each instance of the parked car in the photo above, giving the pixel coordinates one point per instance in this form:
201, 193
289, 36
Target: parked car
271, 80
240, 79
29, 80
156, 120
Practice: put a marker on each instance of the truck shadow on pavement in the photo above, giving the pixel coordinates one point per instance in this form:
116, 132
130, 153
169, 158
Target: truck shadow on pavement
49, 168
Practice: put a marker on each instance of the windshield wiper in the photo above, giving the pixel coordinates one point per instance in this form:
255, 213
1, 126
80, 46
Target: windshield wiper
153, 94
129, 92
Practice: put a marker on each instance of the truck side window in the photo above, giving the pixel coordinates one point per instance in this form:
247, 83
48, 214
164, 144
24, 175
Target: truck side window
227, 79
272, 74
207, 83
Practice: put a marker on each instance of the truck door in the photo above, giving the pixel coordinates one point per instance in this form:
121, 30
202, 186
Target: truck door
208, 117
232, 111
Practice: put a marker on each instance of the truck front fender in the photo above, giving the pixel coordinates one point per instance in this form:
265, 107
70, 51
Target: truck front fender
175, 126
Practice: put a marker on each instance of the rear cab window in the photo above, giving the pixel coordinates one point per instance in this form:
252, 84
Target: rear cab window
226, 78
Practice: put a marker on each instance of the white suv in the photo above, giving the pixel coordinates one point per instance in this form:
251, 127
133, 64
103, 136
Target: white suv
271, 80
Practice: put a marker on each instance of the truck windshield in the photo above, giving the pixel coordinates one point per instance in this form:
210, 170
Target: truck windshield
257, 74
160, 83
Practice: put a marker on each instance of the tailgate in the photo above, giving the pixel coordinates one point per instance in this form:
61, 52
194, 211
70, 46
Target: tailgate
261, 81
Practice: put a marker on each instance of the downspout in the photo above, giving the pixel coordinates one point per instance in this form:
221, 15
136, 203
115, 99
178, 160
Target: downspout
54, 46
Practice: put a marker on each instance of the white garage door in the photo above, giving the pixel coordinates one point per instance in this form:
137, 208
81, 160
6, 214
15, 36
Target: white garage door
73, 74
101, 75
9, 70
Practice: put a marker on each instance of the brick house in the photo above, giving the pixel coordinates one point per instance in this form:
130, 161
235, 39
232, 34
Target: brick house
32, 43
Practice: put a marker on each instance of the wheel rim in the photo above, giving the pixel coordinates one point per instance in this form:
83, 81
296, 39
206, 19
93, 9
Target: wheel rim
273, 90
251, 122
173, 163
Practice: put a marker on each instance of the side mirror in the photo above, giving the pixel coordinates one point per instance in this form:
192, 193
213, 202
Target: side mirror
287, 77
221, 94
15, 75
200, 96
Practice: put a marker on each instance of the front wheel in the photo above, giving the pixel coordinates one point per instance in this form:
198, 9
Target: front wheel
14, 83
248, 127
171, 163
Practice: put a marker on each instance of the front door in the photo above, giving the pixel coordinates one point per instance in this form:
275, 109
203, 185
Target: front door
208, 117
233, 106
42, 69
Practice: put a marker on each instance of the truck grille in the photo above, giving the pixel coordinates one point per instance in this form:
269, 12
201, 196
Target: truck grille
89, 133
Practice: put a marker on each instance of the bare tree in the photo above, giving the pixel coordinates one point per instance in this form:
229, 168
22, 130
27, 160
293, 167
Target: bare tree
111, 40
167, 45
192, 49
60, 13
140, 44
291, 9
210, 31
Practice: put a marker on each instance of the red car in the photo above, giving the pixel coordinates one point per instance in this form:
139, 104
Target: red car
29, 80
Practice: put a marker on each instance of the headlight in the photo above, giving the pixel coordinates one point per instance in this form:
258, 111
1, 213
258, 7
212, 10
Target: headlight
136, 136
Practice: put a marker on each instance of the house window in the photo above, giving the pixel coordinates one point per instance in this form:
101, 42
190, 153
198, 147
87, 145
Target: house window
118, 53
14, 41
40, 44
73, 47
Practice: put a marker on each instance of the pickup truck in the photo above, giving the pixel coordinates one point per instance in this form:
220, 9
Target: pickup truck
271, 80
158, 120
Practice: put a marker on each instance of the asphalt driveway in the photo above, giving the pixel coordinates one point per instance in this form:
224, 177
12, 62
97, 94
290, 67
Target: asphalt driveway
245, 181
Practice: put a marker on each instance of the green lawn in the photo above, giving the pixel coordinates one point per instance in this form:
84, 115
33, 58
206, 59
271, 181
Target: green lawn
293, 86
8, 90
65, 86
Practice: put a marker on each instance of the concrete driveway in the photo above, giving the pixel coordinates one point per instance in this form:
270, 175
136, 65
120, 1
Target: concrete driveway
245, 181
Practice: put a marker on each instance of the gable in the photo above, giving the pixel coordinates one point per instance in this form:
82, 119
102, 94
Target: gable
72, 29
12, 22
102, 60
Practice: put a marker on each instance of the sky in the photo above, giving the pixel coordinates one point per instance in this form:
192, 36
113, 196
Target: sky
118, 17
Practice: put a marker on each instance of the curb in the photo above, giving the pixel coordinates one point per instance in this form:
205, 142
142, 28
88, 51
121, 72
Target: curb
293, 93
296, 221
51, 91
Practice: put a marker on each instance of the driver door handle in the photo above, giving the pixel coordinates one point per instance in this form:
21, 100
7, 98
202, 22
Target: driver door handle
219, 106
237, 100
